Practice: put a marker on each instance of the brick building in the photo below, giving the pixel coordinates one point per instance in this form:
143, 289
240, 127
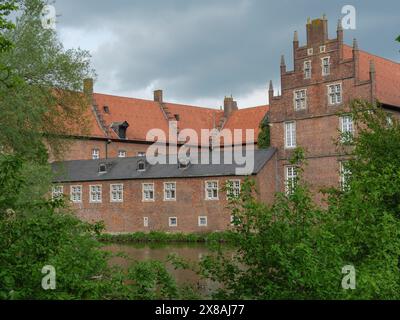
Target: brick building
131, 195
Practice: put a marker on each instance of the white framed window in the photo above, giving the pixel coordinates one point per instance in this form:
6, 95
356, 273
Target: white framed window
307, 69
335, 94
117, 193
310, 51
146, 222
169, 191
326, 66
121, 154
203, 221
173, 222
290, 179
141, 154
95, 154
211, 190
234, 189
290, 135
148, 191
76, 194
389, 120
346, 125
322, 49
345, 173
57, 192
300, 99
95, 194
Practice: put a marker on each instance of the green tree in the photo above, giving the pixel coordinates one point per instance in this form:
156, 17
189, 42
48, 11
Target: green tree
264, 137
296, 249
46, 103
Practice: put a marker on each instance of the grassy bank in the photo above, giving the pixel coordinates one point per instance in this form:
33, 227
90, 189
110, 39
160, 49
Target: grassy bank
162, 237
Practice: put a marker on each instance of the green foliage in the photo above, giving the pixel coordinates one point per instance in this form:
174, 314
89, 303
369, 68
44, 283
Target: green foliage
162, 237
296, 249
398, 39
264, 137
42, 100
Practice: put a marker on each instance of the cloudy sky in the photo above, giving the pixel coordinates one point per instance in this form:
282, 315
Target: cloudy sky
199, 51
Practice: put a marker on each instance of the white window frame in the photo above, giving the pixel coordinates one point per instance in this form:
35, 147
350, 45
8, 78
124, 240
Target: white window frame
290, 138
167, 190
212, 188
91, 193
95, 154
112, 191
57, 194
121, 154
307, 71
199, 221
346, 126
172, 225
324, 74
343, 174
330, 94
290, 179
144, 191
146, 222
310, 51
72, 193
141, 154
322, 49
235, 189
301, 98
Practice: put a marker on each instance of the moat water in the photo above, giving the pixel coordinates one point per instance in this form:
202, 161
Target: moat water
192, 253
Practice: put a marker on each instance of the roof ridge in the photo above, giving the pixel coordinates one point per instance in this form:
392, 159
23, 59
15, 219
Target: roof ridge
375, 55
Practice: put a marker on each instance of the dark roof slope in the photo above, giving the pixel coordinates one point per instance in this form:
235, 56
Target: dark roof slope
126, 169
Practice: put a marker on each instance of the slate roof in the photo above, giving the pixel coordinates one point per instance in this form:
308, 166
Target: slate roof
126, 169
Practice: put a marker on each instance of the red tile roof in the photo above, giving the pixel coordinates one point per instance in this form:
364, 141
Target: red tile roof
144, 115
387, 75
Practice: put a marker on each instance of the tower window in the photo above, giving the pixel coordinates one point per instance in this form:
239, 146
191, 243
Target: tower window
326, 67
335, 94
290, 179
290, 135
307, 69
300, 99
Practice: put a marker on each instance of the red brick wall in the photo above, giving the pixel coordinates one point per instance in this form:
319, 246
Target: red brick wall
128, 215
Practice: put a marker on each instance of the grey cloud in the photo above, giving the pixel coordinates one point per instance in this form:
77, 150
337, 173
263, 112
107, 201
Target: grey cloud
207, 49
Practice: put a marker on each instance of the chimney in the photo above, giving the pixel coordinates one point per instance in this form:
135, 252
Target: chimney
229, 106
158, 96
339, 33
317, 31
88, 86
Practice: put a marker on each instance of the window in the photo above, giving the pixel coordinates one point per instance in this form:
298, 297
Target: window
290, 135
234, 189
322, 49
95, 194
169, 191
146, 222
346, 128
173, 222
345, 173
389, 120
202, 221
211, 190
102, 168
76, 194
117, 192
307, 69
290, 179
326, 66
310, 51
106, 109
95, 154
141, 166
121, 154
300, 99
335, 94
58, 192
141, 154
148, 191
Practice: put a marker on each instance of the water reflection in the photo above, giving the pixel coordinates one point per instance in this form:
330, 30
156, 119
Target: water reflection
144, 252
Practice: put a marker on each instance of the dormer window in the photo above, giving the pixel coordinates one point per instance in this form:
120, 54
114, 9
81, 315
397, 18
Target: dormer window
102, 168
141, 166
106, 109
120, 129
